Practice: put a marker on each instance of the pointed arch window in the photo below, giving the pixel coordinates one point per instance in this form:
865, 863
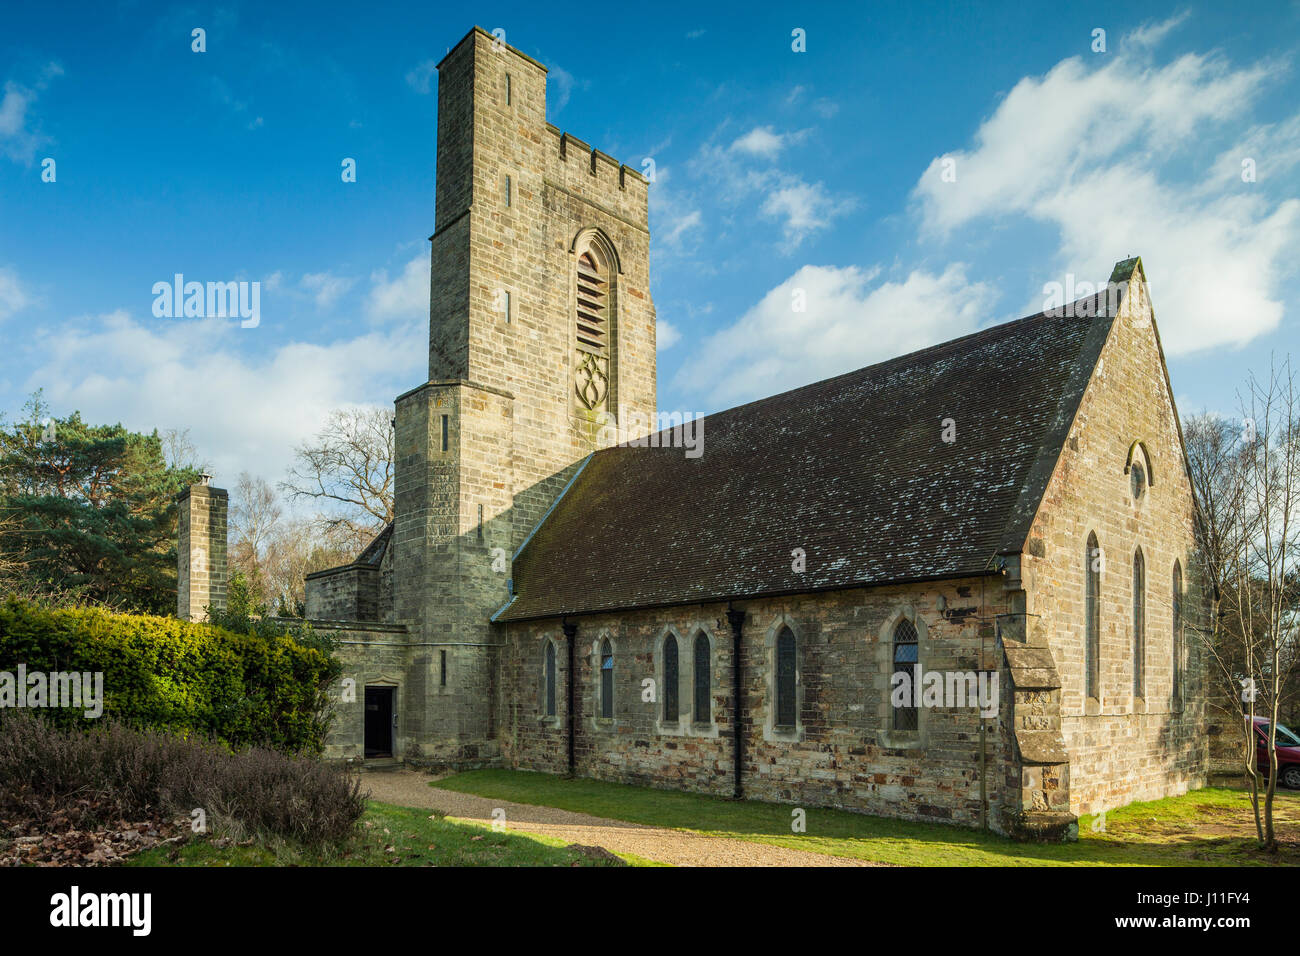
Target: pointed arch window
549, 668
906, 658
1177, 637
786, 679
703, 680
593, 302
1092, 616
671, 673
1139, 624
606, 680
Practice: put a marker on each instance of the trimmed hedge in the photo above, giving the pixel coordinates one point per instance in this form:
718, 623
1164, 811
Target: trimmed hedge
183, 677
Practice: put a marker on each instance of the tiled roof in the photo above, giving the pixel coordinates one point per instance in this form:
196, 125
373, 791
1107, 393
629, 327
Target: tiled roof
852, 469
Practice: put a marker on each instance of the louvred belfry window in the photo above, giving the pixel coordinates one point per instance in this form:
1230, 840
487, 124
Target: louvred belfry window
593, 306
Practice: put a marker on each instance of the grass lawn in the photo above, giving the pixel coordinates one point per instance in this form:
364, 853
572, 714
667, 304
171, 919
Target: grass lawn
1211, 827
389, 836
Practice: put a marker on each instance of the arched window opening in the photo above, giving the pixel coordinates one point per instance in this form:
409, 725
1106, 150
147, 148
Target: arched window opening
906, 658
606, 680
786, 703
593, 302
1092, 607
1177, 637
703, 680
550, 678
671, 671
1139, 625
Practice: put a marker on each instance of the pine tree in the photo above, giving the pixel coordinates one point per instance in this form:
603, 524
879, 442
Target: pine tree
94, 507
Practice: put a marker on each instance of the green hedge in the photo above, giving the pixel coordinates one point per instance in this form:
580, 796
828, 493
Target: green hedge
179, 676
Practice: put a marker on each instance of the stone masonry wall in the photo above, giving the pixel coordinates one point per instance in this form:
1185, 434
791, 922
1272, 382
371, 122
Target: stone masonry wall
1122, 748
344, 594
842, 752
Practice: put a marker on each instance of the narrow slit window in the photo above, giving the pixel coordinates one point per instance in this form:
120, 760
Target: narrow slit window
480, 524
703, 681
606, 680
445, 442
671, 674
786, 680
1177, 641
442, 669
550, 679
1092, 613
1139, 625
509, 92
906, 658
507, 190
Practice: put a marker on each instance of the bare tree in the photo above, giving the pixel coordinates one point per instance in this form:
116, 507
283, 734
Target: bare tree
295, 551
179, 450
1248, 483
255, 518
348, 469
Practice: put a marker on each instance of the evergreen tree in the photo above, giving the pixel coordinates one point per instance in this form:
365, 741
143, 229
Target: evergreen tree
94, 507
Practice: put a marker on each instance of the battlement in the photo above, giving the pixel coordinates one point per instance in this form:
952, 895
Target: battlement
582, 155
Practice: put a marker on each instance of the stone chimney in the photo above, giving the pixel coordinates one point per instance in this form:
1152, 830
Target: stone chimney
201, 550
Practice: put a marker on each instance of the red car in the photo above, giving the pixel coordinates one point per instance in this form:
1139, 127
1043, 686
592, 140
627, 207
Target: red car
1288, 753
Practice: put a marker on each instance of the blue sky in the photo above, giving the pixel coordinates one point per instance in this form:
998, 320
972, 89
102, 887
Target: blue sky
775, 170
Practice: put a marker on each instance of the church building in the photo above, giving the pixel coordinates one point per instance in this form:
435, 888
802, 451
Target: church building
959, 585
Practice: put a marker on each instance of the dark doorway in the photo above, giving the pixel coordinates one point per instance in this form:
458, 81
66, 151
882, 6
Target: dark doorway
379, 721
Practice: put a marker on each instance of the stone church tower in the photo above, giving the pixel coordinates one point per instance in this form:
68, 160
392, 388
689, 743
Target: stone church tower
541, 327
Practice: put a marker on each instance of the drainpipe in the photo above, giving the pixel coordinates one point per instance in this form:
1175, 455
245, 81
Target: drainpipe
737, 621
570, 634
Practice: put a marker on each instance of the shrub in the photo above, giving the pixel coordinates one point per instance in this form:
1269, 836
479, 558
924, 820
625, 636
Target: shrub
116, 771
190, 678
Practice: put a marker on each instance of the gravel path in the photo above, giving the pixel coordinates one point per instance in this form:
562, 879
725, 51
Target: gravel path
409, 789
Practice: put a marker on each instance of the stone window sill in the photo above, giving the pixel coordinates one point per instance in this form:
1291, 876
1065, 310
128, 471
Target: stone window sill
901, 739
789, 735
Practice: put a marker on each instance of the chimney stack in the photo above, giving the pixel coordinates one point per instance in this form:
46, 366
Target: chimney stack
201, 550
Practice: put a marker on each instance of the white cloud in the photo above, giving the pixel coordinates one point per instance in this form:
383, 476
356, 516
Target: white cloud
672, 235
560, 82
13, 109
405, 297
246, 408
325, 288
759, 141
666, 335
18, 140
13, 296
849, 321
420, 78
1150, 34
803, 207
765, 143
1087, 151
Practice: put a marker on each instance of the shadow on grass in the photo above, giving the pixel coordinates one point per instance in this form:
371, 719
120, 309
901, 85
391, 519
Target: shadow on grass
1211, 827
388, 836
